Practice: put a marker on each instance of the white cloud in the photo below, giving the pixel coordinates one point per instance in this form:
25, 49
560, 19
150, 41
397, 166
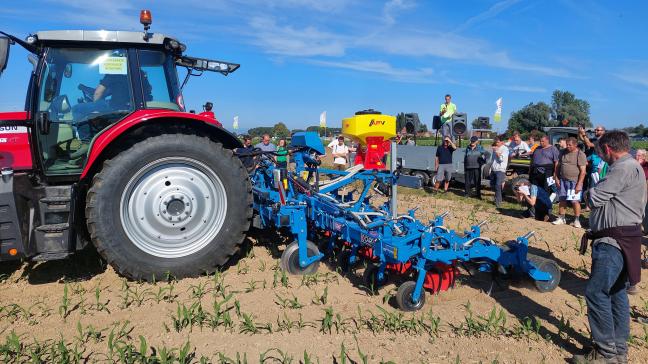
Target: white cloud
492, 12
514, 88
420, 75
392, 6
453, 47
288, 41
637, 78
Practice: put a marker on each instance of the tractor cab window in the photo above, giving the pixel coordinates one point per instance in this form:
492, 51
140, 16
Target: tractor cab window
159, 81
83, 92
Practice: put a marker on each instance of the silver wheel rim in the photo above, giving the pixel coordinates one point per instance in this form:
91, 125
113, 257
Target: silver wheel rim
173, 207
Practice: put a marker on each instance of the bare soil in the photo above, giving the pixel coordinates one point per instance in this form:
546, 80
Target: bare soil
327, 317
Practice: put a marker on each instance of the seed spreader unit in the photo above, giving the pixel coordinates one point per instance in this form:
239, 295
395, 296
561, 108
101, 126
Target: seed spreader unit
338, 214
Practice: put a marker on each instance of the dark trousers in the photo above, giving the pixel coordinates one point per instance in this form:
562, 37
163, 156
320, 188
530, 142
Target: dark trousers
608, 309
538, 212
496, 181
473, 180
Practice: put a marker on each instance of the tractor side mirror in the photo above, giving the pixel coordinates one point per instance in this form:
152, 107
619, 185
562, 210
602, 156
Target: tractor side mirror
44, 122
4, 53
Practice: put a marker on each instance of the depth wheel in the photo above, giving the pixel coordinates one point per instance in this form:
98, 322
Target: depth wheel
290, 259
404, 297
370, 278
549, 266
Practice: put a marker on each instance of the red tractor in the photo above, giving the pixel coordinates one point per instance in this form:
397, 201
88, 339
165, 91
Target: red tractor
104, 152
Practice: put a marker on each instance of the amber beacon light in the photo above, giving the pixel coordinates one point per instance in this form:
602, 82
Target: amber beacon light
146, 19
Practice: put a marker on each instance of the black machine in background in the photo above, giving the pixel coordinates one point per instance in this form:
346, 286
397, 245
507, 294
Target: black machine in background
484, 122
409, 121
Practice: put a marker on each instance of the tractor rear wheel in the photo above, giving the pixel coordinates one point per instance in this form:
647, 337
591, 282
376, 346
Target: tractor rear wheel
174, 205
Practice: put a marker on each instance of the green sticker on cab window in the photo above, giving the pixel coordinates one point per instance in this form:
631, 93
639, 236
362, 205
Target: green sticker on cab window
113, 66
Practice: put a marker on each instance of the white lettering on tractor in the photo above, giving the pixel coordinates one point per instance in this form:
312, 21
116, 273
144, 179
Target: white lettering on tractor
12, 129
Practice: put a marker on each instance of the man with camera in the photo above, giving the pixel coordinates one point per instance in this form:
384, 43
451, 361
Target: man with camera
443, 162
534, 198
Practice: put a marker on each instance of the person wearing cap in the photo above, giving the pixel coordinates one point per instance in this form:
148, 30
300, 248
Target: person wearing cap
207, 110
340, 154
474, 159
443, 162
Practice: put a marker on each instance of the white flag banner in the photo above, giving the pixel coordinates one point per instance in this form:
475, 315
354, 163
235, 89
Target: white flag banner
235, 125
323, 120
498, 112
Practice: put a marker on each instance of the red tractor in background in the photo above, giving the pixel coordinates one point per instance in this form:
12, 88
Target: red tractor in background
104, 152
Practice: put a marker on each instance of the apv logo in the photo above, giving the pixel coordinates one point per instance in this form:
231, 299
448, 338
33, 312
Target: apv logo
377, 122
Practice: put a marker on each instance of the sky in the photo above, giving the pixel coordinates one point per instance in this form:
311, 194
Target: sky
302, 57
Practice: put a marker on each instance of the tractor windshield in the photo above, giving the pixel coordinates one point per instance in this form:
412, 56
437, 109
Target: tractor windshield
83, 91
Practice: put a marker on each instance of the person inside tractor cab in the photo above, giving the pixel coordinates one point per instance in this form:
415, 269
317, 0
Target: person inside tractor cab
111, 95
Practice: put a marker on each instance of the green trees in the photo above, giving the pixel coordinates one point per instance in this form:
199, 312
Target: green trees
531, 117
569, 110
565, 110
280, 130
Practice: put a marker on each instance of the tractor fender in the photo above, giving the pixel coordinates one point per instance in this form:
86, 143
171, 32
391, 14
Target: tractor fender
159, 121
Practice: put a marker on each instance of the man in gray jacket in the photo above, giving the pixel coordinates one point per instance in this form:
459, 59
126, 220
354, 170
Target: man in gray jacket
617, 203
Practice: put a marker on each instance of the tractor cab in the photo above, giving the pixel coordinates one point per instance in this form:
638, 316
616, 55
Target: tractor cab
84, 82
104, 153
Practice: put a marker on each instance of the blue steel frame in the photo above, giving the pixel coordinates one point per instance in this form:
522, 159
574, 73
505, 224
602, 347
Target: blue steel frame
302, 209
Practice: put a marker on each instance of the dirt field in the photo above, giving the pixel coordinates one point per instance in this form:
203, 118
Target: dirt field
251, 312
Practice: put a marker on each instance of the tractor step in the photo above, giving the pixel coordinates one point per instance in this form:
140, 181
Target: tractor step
54, 233
51, 256
57, 200
54, 228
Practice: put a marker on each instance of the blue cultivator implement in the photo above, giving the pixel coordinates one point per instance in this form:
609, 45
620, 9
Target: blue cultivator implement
338, 213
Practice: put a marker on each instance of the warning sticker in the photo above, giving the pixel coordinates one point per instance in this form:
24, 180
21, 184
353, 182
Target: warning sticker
113, 66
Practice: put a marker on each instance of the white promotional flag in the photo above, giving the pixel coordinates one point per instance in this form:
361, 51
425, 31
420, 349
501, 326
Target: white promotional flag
498, 112
235, 124
323, 120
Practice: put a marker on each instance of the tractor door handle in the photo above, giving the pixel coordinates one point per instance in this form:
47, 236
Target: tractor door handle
44, 122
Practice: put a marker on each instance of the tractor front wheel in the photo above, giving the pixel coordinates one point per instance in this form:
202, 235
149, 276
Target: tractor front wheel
174, 205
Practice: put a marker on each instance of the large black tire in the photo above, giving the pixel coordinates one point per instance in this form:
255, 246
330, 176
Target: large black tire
116, 236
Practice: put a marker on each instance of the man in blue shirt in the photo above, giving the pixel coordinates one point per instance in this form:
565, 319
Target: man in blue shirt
444, 164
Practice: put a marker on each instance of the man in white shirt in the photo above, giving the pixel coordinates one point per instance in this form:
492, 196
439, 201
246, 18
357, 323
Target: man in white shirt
498, 169
340, 154
517, 146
